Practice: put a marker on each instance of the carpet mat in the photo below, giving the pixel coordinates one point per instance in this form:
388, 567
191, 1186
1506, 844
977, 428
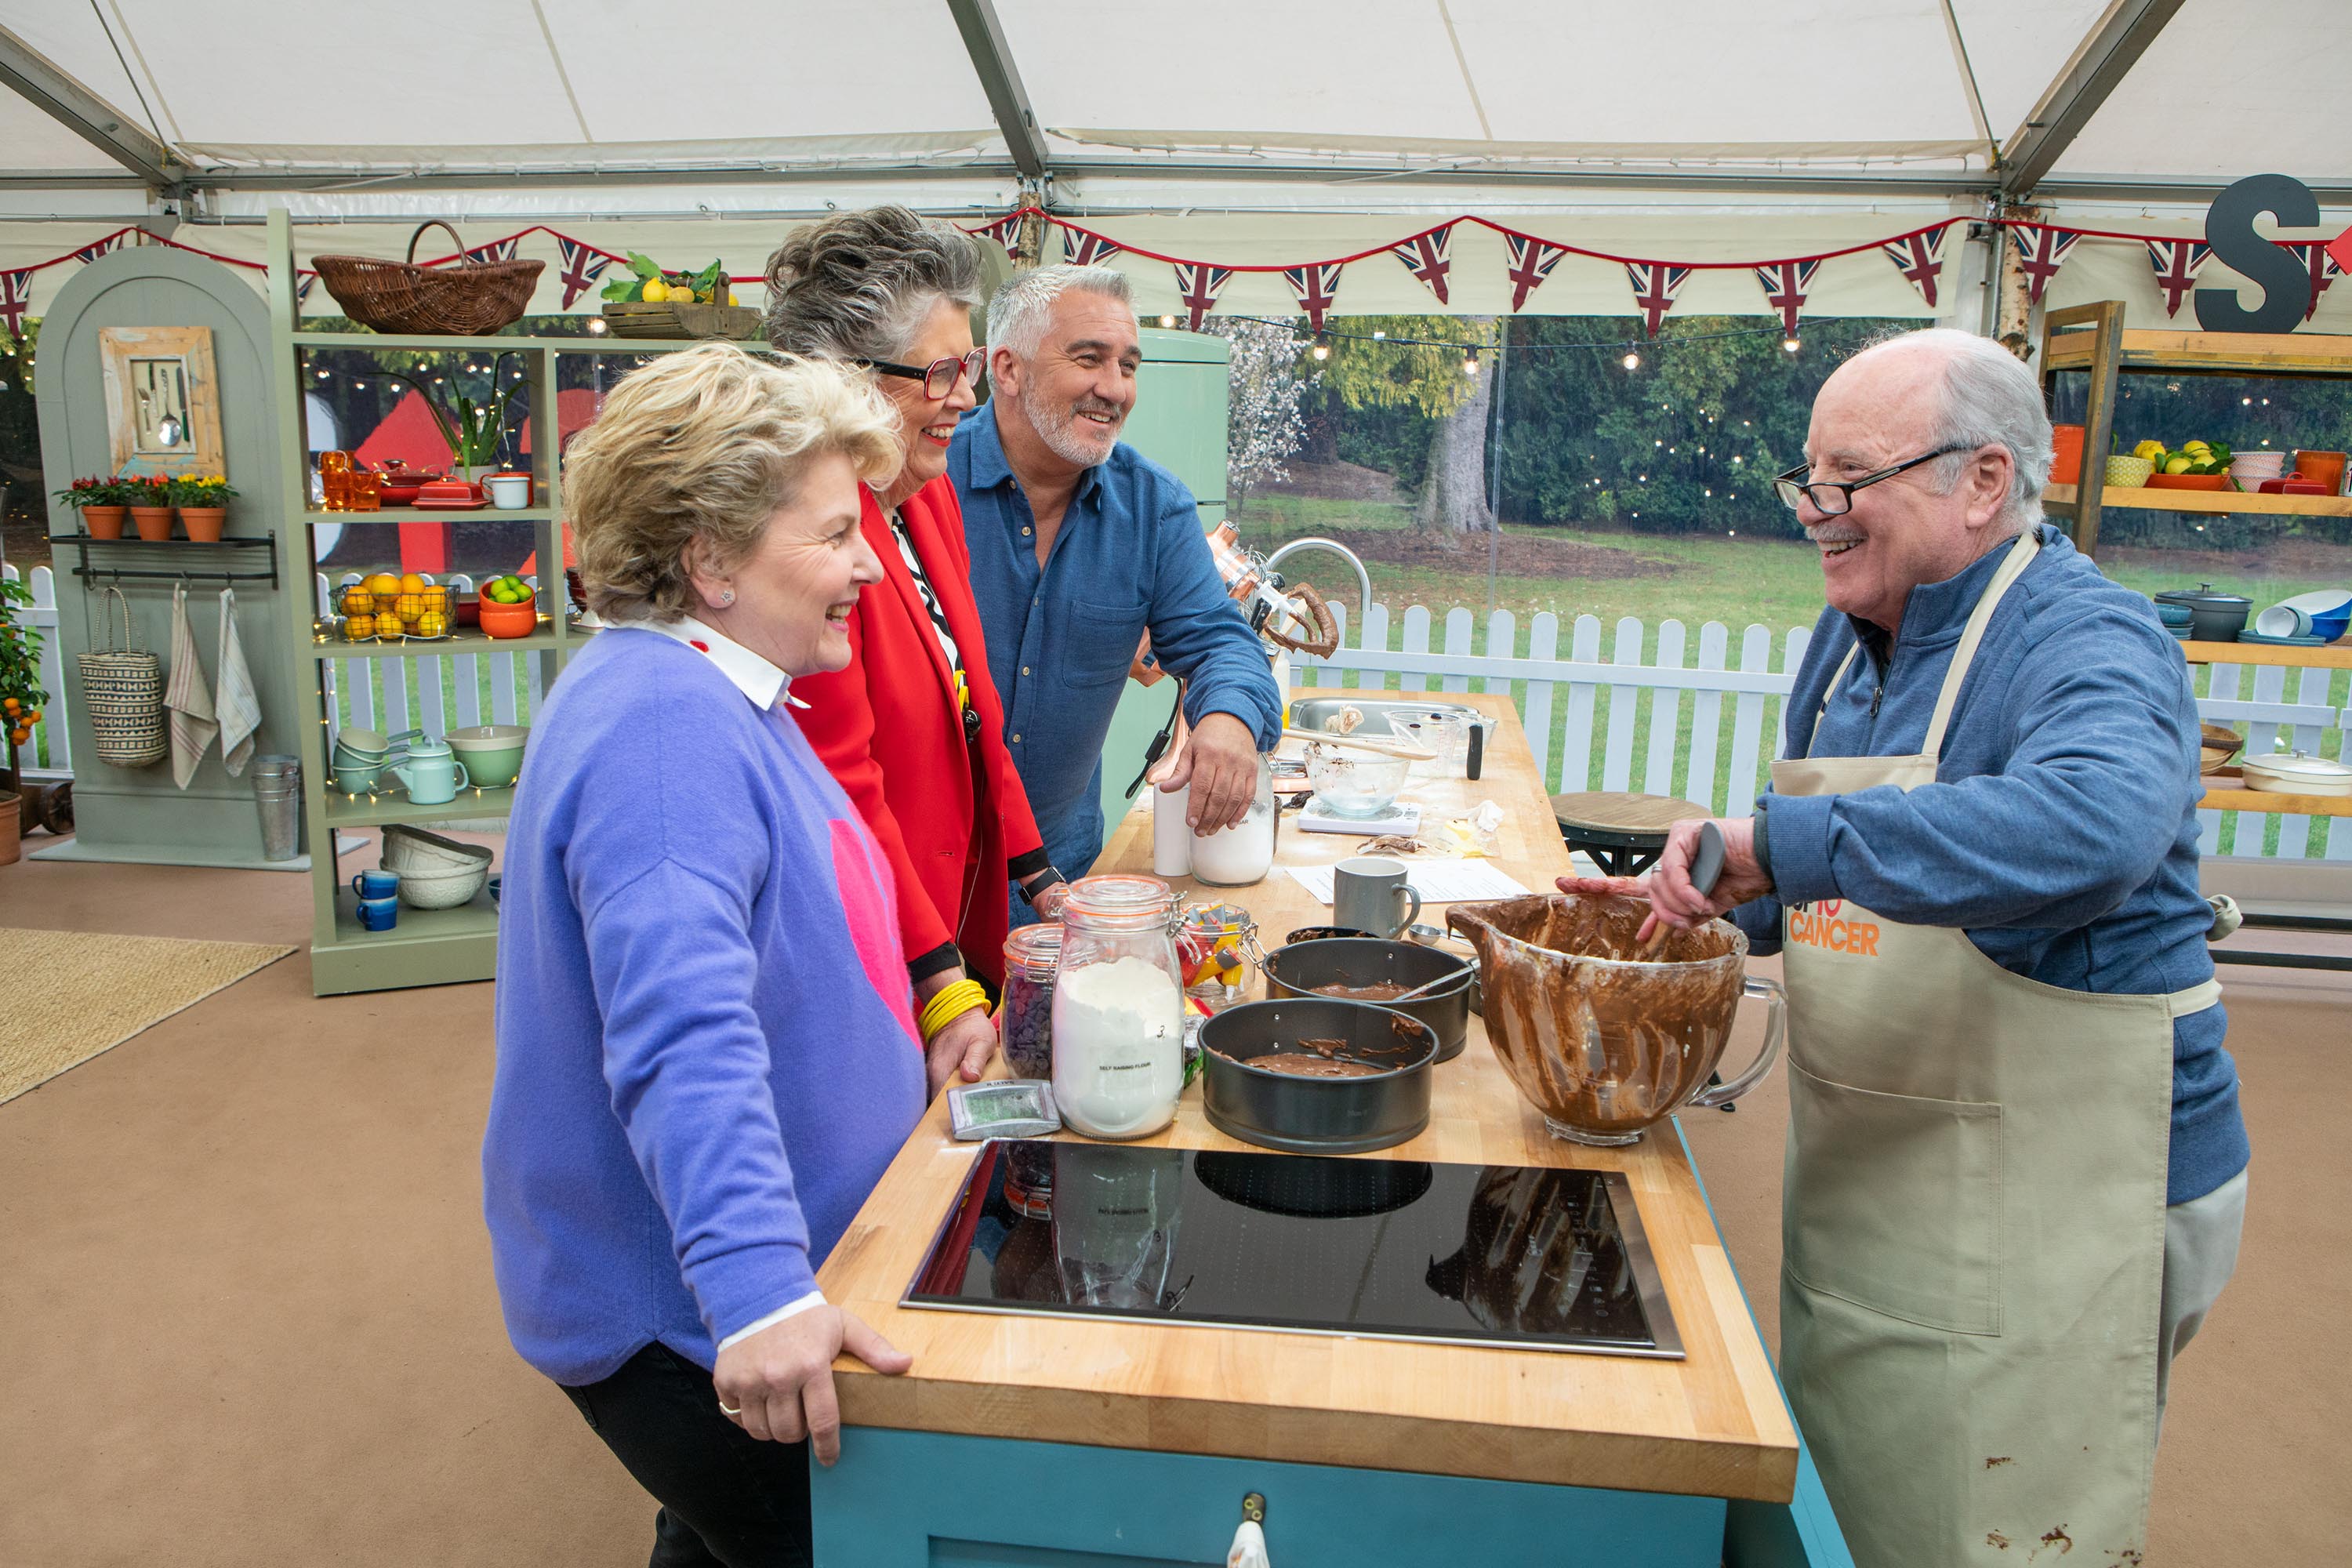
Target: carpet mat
71, 995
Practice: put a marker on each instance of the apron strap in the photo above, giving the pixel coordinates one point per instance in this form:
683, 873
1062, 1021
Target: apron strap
2020, 556
2196, 999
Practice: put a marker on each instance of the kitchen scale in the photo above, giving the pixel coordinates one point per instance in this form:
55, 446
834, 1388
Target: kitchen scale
1402, 818
1511, 1257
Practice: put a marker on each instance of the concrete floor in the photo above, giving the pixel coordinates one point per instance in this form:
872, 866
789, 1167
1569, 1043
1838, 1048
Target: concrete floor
246, 1318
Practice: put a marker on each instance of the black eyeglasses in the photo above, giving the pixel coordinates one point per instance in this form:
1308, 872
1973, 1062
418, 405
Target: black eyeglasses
1835, 499
939, 376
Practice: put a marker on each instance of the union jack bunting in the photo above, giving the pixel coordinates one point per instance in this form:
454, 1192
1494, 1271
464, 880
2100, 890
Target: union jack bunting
1786, 283
302, 283
1429, 256
1003, 230
2177, 263
1198, 284
1316, 287
16, 292
2318, 264
98, 247
2340, 248
2041, 251
1920, 259
582, 267
497, 250
1080, 248
1532, 260
1656, 284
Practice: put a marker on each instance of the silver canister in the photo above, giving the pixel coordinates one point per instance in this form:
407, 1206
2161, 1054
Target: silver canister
278, 795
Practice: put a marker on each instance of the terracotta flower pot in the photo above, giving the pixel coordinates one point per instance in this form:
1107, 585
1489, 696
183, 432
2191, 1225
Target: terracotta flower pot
205, 522
105, 521
9, 829
154, 523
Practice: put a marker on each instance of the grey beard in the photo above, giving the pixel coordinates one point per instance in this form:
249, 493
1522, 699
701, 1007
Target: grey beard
1059, 430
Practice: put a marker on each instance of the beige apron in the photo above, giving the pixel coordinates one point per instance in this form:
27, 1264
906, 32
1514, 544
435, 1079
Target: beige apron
1973, 1221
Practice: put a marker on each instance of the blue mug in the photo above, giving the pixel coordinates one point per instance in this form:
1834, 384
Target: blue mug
379, 914
375, 885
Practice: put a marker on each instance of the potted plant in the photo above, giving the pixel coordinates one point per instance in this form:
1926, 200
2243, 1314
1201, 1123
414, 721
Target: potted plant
474, 432
150, 497
203, 501
20, 705
102, 504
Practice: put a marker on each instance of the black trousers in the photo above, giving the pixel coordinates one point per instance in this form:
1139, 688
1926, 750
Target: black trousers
727, 1500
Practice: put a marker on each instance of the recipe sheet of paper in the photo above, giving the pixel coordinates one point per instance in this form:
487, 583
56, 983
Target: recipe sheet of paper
1437, 881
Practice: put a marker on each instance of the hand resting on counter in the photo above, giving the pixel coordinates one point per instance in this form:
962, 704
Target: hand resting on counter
777, 1384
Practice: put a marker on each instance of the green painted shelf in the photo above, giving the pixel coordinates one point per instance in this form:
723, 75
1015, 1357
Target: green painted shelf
426, 947
393, 806
439, 648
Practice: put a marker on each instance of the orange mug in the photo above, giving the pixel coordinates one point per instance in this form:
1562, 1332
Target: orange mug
2323, 468
335, 480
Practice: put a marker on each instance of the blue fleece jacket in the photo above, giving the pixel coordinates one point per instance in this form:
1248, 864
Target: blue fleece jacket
2061, 833
707, 1054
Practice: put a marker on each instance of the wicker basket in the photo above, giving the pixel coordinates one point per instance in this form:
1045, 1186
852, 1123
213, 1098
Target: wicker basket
122, 691
473, 299
740, 322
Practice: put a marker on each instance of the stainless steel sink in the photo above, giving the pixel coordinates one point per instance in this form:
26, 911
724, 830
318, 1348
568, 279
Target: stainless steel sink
1381, 715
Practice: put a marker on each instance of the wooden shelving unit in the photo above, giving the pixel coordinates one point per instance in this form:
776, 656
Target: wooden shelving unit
428, 947
2092, 339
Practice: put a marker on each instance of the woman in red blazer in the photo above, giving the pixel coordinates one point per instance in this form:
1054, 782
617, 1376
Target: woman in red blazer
913, 728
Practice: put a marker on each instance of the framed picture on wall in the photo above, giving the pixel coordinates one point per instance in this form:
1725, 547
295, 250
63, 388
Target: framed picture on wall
162, 400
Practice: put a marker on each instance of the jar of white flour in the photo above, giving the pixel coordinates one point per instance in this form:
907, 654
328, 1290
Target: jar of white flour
1119, 1009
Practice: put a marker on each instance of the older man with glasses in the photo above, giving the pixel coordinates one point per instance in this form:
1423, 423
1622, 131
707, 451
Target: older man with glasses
2016, 1166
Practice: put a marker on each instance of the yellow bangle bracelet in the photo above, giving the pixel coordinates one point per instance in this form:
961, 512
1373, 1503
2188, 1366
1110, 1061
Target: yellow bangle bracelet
951, 1003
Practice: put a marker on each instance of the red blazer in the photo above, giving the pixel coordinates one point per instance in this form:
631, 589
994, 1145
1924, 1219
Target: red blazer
949, 814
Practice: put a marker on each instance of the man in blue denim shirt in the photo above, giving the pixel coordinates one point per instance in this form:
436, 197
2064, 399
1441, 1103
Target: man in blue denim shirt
1079, 546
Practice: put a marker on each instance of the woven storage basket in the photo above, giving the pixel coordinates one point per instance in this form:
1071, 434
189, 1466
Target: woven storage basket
473, 299
122, 692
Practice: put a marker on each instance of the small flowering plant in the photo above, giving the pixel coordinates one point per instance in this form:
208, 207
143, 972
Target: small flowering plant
93, 492
203, 492
146, 490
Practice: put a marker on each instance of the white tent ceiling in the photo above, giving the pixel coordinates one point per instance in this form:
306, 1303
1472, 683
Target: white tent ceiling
1245, 132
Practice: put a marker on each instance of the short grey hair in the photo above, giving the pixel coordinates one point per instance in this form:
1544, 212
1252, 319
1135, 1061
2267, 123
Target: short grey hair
861, 285
1989, 399
1018, 314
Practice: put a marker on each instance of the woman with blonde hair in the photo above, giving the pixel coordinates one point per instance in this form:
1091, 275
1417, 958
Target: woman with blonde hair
911, 726
706, 1050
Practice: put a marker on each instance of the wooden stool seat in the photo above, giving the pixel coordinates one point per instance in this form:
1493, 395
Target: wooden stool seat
1625, 831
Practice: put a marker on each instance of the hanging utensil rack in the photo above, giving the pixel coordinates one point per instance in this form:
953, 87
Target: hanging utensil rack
228, 551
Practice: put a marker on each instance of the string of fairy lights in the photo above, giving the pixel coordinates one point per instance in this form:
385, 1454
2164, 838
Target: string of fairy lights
1628, 350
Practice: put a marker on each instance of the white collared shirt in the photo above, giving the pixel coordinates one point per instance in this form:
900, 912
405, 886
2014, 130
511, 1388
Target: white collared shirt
766, 686
753, 676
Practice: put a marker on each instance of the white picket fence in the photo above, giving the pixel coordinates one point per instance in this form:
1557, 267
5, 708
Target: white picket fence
436, 693
1653, 695
1586, 717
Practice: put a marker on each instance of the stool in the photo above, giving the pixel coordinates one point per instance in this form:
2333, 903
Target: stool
1623, 831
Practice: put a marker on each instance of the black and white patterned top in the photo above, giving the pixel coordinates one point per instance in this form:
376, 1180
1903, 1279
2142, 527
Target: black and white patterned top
923, 586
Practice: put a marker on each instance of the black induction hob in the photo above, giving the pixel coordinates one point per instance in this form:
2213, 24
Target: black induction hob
1509, 1256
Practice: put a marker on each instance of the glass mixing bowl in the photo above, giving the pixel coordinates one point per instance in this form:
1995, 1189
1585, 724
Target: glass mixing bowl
1354, 783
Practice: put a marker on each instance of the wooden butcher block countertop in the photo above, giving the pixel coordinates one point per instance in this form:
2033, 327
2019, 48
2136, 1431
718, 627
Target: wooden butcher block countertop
1712, 1424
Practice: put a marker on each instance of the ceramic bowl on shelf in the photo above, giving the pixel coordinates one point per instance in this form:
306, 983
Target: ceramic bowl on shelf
407, 848
2216, 744
2188, 482
2294, 773
492, 753
2217, 618
2129, 473
509, 620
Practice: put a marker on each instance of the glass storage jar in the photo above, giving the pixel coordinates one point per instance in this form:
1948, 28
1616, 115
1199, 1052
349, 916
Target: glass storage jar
1238, 856
1119, 1009
1214, 943
1033, 957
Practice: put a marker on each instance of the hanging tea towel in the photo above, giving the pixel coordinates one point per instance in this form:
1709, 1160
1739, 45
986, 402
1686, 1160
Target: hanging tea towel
189, 704
234, 702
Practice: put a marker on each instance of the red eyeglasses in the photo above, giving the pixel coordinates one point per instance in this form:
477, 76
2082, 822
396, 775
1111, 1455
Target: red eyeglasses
939, 376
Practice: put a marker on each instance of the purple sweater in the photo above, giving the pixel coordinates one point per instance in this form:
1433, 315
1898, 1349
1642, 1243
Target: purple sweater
706, 1052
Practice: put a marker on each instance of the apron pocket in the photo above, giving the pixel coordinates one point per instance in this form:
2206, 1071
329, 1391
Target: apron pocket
1894, 1203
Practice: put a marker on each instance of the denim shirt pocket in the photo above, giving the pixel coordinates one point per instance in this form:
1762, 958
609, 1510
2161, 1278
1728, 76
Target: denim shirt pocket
1099, 643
